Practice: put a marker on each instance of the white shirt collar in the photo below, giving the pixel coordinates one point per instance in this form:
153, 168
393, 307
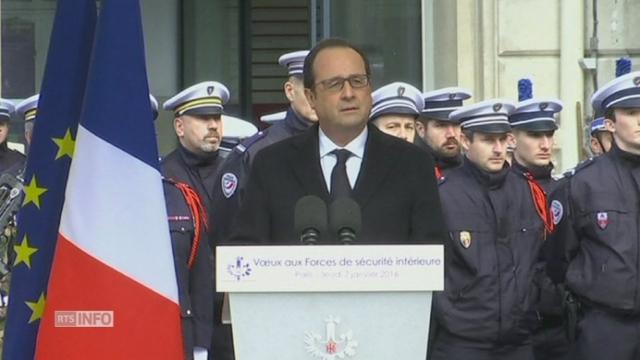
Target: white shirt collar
356, 146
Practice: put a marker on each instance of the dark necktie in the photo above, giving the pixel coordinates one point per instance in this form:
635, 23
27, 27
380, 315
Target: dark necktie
340, 186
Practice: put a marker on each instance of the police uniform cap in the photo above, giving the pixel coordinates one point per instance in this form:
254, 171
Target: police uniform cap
536, 115
397, 98
438, 104
275, 117
28, 108
154, 106
294, 61
235, 129
7, 108
622, 92
490, 116
205, 98
597, 125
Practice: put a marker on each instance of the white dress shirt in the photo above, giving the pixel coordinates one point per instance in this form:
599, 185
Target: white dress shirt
328, 161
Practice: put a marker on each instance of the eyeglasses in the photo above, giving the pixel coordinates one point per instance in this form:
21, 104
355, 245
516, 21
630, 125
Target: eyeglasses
337, 83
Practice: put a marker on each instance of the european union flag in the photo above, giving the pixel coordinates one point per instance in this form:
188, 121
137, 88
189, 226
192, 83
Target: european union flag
59, 108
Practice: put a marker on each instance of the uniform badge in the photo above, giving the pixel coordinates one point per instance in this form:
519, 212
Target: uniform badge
452, 96
465, 239
603, 220
636, 81
229, 184
543, 106
401, 91
556, 211
497, 107
210, 90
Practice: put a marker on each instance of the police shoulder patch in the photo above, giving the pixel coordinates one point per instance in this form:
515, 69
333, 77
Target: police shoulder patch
229, 184
556, 211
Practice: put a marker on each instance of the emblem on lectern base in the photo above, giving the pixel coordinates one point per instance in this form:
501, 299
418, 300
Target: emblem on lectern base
332, 347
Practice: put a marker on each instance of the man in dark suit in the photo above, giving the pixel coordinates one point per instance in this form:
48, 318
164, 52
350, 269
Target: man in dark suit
391, 180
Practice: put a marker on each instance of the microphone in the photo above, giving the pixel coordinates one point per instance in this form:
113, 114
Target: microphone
310, 219
345, 219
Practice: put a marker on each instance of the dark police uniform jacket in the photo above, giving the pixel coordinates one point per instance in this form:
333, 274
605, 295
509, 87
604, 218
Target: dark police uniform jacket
195, 289
10, 160
550, 300
232, 180
396, 191
598, 237
491, 257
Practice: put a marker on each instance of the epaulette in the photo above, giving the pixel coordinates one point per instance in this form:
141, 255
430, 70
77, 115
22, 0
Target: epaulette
582, 165
441, 180
249, 142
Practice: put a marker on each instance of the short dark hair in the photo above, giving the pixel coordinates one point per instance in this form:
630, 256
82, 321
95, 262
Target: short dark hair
309, 76
469, 134
610, 114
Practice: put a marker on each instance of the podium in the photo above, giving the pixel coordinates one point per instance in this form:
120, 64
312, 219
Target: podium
330, 302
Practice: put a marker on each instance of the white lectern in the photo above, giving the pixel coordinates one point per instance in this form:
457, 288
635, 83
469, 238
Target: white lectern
330, 302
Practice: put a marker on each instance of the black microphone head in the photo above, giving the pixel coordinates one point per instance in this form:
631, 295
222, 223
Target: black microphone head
345, 215
310, 214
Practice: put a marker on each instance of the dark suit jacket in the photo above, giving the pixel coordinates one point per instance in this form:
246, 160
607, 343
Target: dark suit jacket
396, 190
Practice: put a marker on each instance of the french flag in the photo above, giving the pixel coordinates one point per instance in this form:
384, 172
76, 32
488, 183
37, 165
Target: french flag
112, 290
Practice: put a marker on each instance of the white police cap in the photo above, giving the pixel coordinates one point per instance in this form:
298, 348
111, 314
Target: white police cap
438, 104
397, 98
205, 98
536, 115
236, 129
6, 110
275, 117
622, 92
294, 61
154, 106
597, 125
28, 108
490, 116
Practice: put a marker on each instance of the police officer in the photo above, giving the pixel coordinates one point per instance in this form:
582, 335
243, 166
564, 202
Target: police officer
198, 125
395, 109
10, 160
28, 109
436, 133
487, 309
534, 124
194, 269
601, 138
196, 161
597, 241
230, 185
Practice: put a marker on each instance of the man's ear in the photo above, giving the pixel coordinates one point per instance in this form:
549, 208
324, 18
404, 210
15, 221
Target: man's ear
421, 128
289, 90
609, 125
178, 125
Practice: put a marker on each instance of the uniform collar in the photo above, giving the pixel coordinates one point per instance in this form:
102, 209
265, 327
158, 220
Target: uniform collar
489, 180
627, 157
197, 160
538, 172
296, 122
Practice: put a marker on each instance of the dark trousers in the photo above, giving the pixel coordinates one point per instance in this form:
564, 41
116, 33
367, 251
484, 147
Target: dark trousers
222, 344
550, 342
449, 347
602, 335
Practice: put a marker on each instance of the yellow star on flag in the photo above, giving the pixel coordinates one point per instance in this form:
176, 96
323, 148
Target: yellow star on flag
32, 193
37, 308
24, 252
65, 145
